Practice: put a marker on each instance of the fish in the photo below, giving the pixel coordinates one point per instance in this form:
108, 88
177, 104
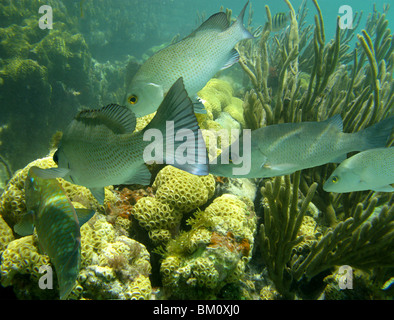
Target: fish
279, 21
100, 148
196, 58
284, 148
368, 170
57, 224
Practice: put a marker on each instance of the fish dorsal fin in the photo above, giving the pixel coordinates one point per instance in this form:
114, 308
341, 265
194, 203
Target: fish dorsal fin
336, 121
217, 21
117, 118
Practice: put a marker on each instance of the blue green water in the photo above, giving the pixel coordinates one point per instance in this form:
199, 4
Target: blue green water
86, 59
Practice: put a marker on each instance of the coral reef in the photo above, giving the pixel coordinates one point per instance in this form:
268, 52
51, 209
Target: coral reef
112, 266
12, 201
176, 193
360, 92
6, 235
218, 97
199, 263
219, 238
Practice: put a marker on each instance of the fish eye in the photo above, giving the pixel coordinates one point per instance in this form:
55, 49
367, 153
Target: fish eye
133, 99
334, 179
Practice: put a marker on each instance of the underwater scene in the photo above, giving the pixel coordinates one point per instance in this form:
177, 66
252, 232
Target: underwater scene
196, 150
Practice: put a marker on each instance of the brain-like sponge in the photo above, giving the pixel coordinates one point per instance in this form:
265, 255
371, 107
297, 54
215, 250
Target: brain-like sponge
6, 235
177, 192
182, 190
199, 262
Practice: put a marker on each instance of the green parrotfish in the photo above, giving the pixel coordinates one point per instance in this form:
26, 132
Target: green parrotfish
57, 225
368, 170
196, 58
284, 148
100, 148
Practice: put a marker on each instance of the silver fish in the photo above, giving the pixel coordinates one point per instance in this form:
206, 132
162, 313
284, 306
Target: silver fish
197, 58
288, 147
57, 224
368, 170
100, 148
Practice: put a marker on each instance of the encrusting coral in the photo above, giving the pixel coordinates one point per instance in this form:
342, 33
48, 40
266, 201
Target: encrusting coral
200, 262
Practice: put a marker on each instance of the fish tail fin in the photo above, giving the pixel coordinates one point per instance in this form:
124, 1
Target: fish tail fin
245, 34
376, 136
68, 274
176, 120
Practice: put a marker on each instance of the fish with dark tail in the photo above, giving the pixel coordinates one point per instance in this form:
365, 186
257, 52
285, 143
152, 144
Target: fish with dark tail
57, 225
100, 148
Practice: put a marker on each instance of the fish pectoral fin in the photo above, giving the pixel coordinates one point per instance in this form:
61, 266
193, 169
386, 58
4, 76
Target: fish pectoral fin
232, 59
84, 215
99, 194
25, 227
387, 188
141, 176
51, 173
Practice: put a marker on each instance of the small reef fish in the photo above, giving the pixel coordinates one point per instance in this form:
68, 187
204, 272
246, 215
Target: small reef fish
100, 148
279, 21
368, 170
57, 224
288, 147
196, 58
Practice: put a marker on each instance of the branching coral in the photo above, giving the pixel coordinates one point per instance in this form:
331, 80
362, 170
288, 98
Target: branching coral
279, 233
314, 84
